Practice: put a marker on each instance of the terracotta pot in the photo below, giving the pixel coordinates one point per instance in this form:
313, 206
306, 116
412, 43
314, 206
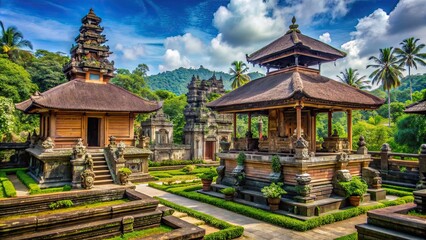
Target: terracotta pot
229, 197
355, 200
274, 203
206, 184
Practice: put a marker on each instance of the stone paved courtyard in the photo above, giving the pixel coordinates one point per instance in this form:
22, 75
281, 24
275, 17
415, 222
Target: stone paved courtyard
255, 229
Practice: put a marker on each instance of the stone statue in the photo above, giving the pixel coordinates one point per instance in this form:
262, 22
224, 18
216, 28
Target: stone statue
89, 162
372, 177
362, 149
48, 145
79, 150
301, 148
87, 179
120, 150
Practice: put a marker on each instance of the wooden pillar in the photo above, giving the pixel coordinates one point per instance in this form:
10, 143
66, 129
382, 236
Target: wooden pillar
249, 122
299, 120
349, 125
330, 126
235, 125
52, 125
260, 127
312, 131
315, 131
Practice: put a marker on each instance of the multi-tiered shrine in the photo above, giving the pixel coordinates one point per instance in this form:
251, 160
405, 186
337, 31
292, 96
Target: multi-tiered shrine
292, 95
86, 111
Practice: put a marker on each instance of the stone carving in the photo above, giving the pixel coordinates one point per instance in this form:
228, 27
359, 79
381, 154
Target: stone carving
301, 148
87, 179
48, 145
220, 173
386, 148
34, 139
303, 188
112, 142
224, 144
362, 149
79, 150
340, 176
342, 157
120, 151
372, 177
89, 162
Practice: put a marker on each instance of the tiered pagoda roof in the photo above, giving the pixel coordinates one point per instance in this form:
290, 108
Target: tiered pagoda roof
291, 55
82, 92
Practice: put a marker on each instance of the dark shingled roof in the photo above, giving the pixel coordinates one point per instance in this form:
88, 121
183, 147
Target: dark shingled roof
418, 107
281, 88
77, 95
293, 40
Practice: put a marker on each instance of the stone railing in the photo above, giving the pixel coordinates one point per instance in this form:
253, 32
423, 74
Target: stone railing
19, 158
399, 167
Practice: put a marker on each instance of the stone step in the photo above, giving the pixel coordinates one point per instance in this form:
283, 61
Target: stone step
101, 172
368, 231
180, 214
192, 220
102, 177
102, 182
100, 167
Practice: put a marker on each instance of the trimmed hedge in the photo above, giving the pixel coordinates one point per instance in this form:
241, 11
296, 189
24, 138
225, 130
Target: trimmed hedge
398, 193
2, 194
277, 219
173, 163
12, 170
228, 231
405, 189
33, 185
7, 188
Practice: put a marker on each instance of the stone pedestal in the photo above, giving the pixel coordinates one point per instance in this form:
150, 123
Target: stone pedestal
377, 194
77, 168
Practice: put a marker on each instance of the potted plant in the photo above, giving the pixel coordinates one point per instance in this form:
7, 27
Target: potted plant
123, 174
207, 179
273, 192
229, 193
354, 189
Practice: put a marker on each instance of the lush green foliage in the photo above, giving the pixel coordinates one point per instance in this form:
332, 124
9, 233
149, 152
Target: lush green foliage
7, 120
228, 191
188, 168
7, 186
277, 219
174, 107
406, 189
352, 78
46, 69
33, 187
61, 204
241, 159
276, 164
274, 190
228, 231
208, 175
173, 163
12, 43
355, 187
239, 74
125, 171
177, 80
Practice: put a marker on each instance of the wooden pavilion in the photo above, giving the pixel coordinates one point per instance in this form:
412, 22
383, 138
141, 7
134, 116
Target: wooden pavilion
417, 107
87, 106
291, 96
87, 111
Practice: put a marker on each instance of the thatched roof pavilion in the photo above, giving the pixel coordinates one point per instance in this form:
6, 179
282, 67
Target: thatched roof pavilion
417, 107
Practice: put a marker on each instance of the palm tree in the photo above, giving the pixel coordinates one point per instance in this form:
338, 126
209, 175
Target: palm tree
410, 56
388, 72
239, 77
12, 41
351, 77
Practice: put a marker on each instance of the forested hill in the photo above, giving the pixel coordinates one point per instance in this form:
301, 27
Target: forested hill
177, 80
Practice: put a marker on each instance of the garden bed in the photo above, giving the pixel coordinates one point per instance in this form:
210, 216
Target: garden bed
273, 218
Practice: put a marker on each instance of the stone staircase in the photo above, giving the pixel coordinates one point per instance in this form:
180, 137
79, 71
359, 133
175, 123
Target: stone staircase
101, 170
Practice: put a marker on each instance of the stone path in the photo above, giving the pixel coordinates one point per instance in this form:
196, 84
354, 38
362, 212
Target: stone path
21, 189
256, 229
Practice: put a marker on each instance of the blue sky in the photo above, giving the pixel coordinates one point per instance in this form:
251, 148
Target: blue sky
170, 34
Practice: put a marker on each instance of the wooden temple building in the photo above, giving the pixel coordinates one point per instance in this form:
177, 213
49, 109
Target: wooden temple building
87, 107
292, 94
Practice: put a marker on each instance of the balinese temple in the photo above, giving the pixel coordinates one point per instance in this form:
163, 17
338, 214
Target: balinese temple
86, 111
87, 106
291, 95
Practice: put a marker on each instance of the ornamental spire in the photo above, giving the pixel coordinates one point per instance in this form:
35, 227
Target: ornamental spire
293, 27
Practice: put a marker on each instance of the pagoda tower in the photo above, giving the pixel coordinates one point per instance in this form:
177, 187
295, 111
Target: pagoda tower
89, 57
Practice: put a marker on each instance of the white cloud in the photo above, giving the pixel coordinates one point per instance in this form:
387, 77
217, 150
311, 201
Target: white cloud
325, 37
172, 59
132, 52
186, 43
380, 30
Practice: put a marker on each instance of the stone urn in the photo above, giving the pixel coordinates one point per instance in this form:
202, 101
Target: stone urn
123, 175
274, 203
355, 200
206, 184
225, 145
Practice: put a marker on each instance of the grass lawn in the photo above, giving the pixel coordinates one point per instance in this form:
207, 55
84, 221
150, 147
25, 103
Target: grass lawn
170, 176
63, 210
352, 236
144, 233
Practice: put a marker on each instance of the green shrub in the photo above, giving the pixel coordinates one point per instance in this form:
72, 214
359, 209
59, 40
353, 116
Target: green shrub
208, 175
241, 158
355, 187
9, 189
67, 188
2, 194
352, 236
277, 219
228, 191
188, 168
276, 165
12, 170
227, 231
398, 193
406, 189
274, 190
125, 171
61, 204
28, 181
173, 163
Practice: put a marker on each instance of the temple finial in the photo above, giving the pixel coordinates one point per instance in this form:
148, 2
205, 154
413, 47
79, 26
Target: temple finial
293, 27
